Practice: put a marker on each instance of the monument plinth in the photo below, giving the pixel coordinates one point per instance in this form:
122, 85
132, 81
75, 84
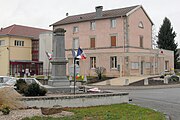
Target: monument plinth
59, 79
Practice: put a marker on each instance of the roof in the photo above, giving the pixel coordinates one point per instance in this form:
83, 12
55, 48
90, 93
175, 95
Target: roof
23, 31
122, 12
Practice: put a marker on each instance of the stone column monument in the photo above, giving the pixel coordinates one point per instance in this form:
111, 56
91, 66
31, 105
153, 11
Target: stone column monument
58, 79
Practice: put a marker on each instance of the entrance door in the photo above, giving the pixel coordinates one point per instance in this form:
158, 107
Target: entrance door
142, 71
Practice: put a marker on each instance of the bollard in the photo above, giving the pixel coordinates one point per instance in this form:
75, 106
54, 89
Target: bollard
108, 82
126, 81
25, 76
146, 82
166, 80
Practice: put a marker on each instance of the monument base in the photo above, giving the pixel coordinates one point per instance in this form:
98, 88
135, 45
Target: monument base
57, 83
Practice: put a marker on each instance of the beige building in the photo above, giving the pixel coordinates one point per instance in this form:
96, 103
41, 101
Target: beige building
119, 40
19, 50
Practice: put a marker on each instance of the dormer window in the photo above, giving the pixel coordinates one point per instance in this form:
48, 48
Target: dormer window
92, 25
75, 29
113, 23
141, 25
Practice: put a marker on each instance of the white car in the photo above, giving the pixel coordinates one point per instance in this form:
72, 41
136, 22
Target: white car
6, 81
31, 80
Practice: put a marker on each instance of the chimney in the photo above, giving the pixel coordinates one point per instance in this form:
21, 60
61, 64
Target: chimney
67, 14
99, 11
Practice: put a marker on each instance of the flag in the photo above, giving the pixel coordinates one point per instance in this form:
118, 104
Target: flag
81, 54
74, 53
49, 55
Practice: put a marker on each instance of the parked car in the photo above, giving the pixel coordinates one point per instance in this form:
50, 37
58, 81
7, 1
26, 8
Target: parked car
6, 81
31, 80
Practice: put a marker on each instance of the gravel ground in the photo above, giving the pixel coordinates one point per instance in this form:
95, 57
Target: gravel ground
19, 114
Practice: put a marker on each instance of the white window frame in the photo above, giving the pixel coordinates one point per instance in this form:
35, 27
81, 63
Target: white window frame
2, 42
134, 65
113, 23
18, 43
75, 29
113, 62
92, 25
75, 43
148, 65
141, 25
92, 62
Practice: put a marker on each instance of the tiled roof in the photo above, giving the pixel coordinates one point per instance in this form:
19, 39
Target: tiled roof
92, 16
25, 31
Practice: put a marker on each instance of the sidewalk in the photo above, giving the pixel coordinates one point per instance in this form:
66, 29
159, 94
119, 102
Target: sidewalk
123, 80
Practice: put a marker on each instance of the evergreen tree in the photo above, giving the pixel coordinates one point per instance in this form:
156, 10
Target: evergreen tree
166, 39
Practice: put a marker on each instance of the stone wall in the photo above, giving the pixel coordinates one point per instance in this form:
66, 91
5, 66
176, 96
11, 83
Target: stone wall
78, 100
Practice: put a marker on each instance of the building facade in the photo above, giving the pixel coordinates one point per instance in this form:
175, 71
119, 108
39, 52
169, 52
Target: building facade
19, 50
119, 40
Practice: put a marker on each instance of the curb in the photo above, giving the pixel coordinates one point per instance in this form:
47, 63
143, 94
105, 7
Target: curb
105, 87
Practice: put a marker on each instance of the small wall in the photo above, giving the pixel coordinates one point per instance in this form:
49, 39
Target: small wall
77, 100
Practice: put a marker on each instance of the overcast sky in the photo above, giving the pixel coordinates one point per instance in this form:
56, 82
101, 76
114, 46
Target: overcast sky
42, 13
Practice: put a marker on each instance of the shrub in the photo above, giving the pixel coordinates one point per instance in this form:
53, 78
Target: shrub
173, 78
42, 92
35, 90
5, 109
21, 86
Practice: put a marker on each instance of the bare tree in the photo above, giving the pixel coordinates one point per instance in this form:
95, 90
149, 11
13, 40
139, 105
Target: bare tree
99, 71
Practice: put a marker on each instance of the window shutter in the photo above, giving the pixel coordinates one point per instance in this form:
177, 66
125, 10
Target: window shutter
113, 40
92, 42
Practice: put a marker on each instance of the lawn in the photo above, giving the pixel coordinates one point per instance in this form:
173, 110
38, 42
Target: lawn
109, 112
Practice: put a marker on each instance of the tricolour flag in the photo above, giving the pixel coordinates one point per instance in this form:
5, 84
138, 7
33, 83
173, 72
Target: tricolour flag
74, 53
49, 55
81, 54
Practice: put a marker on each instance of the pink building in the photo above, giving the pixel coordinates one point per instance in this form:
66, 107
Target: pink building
120, 40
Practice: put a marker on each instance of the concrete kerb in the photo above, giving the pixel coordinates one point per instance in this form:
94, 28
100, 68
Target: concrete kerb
107, 87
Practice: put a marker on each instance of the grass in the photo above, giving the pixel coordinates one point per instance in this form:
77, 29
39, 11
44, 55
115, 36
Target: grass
109, 112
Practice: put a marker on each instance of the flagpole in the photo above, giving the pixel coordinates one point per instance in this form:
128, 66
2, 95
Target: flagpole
74, 74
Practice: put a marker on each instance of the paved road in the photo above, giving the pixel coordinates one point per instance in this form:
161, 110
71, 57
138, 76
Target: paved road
165, 100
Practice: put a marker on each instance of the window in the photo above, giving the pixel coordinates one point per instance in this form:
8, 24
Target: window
113, 23
166, 65
18, 43
156, 64
75, 43
75, 29
92, 42
141, 41
92, 62
2, 42
148, 65
113, 62
92, 25
35, 50
134, 65
140, 25
113, 41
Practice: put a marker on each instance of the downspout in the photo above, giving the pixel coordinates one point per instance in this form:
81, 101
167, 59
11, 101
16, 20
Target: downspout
8, 48
126, 44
